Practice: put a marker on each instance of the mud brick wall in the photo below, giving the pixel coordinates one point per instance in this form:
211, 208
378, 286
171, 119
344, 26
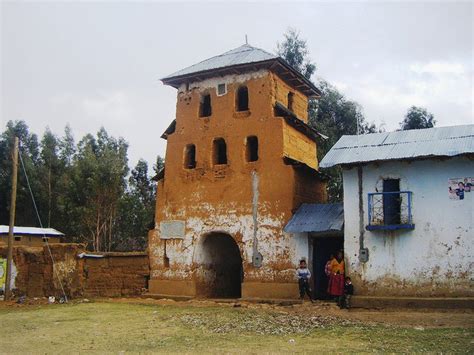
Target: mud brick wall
112, 275
116, 274
34, 275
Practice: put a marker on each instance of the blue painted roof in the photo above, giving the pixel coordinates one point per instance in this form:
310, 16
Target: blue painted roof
317, 218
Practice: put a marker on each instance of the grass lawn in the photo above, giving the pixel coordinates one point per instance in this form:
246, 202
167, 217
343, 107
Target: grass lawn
123, 327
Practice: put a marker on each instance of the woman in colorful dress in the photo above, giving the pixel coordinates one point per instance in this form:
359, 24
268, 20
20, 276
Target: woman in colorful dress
336, 278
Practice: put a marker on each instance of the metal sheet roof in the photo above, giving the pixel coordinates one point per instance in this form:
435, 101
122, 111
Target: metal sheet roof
242, 55
317, 218
240, 60
411, 144
30, 230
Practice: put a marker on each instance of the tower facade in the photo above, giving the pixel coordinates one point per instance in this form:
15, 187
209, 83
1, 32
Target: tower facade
240, 159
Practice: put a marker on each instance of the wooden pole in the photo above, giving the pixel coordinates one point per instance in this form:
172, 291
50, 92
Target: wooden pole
12, 220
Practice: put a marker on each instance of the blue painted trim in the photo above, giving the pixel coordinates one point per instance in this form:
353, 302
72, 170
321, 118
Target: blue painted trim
408, 225
372, 227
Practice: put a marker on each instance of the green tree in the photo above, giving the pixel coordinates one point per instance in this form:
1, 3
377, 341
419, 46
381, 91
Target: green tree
97, 184
136, 210
417, 118
295, 51
50, 172
29, 151
67, 147
332, 115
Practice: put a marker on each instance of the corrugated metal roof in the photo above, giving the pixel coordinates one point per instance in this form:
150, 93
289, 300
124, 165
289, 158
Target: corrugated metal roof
242, 55
317, 218
411, 144
30, 230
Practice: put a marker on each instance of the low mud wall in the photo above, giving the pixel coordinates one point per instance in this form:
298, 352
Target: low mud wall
116, 274
80, 274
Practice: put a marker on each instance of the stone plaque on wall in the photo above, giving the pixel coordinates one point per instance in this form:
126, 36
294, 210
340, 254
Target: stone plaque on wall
172, 229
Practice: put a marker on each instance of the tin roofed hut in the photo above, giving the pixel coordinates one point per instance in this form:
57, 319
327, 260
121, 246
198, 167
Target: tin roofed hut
408, 211
31, 236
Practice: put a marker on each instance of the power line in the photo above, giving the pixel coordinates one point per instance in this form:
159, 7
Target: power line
41, 225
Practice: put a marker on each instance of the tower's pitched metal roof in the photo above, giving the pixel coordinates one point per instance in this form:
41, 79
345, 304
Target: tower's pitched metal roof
242, 59
245, 54
401, 145
317, 218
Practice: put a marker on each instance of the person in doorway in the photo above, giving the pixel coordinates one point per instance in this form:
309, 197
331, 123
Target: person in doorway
327, 271
345, 301
327, 268
336, 278
303, 274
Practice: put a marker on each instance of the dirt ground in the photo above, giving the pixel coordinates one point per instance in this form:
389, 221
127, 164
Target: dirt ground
165, 326
400, 317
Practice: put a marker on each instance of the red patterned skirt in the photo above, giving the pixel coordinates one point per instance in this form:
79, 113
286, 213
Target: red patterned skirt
336, 285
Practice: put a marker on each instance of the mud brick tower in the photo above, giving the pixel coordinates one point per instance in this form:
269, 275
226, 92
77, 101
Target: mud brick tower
240, 159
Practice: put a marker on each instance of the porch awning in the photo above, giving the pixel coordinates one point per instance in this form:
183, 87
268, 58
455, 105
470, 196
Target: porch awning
317, 218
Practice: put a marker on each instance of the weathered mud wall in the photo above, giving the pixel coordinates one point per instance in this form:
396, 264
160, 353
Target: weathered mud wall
224, 198
436, 258
35, 276
116, 274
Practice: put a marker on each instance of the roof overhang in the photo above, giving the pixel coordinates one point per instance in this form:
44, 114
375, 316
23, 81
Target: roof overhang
277, 65
170, 130
317, 219
296, 122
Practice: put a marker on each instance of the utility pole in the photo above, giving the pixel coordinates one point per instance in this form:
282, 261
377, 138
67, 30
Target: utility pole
12, 220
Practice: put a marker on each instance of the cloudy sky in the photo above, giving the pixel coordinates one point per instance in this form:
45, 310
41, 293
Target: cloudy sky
93, 64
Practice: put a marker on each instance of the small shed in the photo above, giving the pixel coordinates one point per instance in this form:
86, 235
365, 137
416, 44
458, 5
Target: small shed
31, 236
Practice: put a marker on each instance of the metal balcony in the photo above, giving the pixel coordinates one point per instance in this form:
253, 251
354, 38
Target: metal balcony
390, 210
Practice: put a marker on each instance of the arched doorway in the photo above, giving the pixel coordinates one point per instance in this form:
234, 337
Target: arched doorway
220, 273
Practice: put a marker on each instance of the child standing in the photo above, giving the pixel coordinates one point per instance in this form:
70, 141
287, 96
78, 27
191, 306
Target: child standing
345, 301
304, 275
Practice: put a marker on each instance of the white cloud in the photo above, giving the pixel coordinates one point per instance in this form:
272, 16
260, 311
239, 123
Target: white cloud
444, 88
135, 115
438, 67
340, 85
112, 105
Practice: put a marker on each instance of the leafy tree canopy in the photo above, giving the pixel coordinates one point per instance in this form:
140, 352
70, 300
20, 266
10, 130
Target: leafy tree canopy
83, 190
332, 115
417, 118
295, 51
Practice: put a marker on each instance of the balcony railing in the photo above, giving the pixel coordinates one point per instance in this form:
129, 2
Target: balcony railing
390, 210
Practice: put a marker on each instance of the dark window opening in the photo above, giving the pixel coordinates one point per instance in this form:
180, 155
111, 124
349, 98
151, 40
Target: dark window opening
190, 156
391, 202
242, 99
290, 101
219, 152
18, 239
45, 239
221, 89
205, 109
251, 151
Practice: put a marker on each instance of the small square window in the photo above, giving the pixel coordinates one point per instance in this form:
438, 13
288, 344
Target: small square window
18, 239
221, 89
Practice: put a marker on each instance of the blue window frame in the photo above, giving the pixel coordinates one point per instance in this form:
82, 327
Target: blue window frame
390, 210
